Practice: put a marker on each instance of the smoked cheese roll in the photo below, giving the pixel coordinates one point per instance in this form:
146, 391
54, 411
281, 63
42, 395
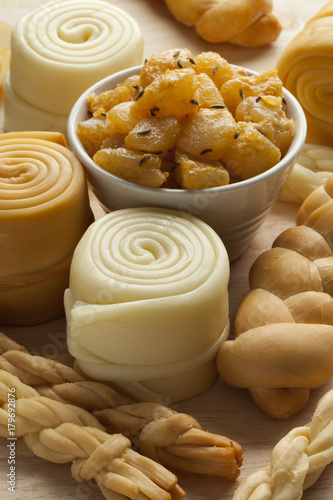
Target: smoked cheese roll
306, 69
44, 210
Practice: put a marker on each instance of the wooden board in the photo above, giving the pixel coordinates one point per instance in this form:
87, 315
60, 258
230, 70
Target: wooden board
222, 409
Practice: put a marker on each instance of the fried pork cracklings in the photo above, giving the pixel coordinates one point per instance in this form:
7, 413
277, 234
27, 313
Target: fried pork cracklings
188, 122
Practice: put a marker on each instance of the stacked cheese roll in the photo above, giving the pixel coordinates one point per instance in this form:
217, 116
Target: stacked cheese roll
306, 69
44, 210
59, 50
147, 305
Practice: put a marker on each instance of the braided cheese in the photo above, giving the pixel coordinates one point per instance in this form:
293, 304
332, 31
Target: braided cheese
297, 460
172, 439
63, 433
175, 439
284, 324
240, 22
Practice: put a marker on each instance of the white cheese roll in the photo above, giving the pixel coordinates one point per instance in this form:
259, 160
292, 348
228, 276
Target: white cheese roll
44, 210
147, 305
61, 48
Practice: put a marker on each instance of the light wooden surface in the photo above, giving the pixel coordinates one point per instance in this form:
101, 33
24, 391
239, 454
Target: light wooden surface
222, 409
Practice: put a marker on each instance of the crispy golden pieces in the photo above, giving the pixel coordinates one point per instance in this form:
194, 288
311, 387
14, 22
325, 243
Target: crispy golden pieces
140, 168
230, 126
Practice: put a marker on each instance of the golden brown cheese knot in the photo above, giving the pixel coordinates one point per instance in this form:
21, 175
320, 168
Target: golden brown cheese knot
175, 439
297, 460
64, 433
284, 324
240, 22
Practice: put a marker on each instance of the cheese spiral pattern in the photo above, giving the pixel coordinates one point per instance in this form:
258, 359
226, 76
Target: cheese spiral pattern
148, 301
44, 210
61, 49
306, 68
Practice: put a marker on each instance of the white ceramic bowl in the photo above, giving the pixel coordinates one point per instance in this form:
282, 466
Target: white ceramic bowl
235, 211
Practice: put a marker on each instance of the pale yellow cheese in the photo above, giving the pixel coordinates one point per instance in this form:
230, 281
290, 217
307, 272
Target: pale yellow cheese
44, 210
20, 115
4, 64
147, 305
306, 69
313, 167
62, 48
5, 33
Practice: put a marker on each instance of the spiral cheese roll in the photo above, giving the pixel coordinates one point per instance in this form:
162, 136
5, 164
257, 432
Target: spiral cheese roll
306, 69
44, 210
147, 305
59, 50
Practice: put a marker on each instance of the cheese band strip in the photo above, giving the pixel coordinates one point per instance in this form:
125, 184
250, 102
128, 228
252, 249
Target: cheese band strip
44, 210
306, 69
148, 299
60, 49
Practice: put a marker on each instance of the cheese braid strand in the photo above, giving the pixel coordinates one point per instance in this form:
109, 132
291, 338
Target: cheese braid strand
63, 433
173, 439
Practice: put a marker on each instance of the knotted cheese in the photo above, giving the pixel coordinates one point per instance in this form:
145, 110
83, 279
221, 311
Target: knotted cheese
44, 210
59, 50
306, 69
147, 305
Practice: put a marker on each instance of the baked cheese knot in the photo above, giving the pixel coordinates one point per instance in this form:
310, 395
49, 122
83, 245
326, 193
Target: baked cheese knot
58, 51
306, 67
241, 22
62, 433
44, 210
284, 324
297, 460
147, 305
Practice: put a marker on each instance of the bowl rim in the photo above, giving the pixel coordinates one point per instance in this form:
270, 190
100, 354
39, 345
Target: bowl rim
76, 145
